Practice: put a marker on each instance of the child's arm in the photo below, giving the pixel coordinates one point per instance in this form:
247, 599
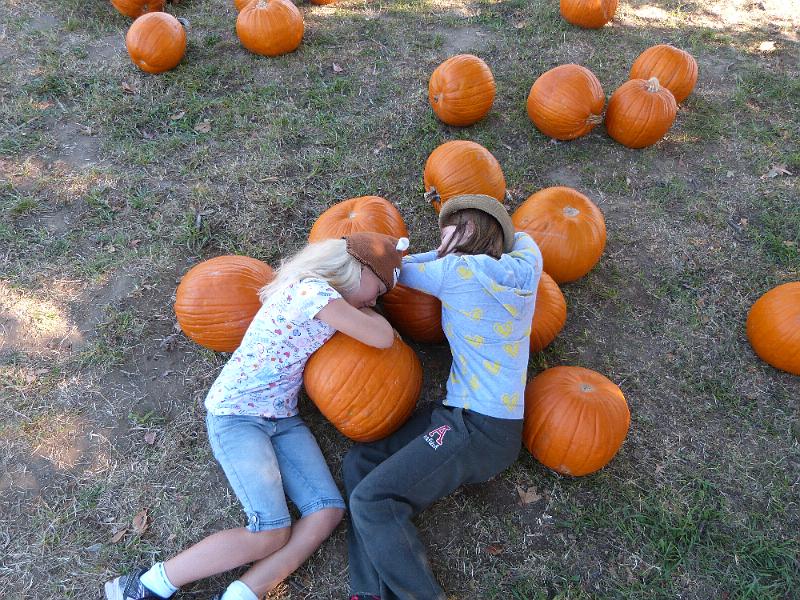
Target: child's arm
425, 275
364, 325
421, 257
526, 249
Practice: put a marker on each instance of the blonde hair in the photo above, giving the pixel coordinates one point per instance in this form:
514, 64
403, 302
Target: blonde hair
328, 260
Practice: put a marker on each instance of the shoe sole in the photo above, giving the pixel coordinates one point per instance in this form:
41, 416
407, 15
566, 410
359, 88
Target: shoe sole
112, 591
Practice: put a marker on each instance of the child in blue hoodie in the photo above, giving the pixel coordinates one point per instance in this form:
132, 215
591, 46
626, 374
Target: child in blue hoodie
486, 277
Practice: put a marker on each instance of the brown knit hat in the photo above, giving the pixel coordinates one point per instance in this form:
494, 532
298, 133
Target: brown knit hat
381, 253
487, 204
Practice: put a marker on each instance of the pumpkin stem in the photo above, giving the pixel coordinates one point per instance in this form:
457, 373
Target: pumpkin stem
352, 215
585, 387
594, 119
653, 85
570, 211
432, 196
261, 4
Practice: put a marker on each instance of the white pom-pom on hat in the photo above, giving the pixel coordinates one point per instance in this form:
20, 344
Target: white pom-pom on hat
402, 244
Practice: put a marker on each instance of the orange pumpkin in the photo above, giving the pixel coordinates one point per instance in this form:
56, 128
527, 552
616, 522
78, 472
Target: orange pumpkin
365, 392
462, 167
461, 90
589, 14
550, 314
218, 298
640, 112
568, 228
575, 419
156, 42
270, 27
566, 102
137, 8
674, 68
240, 4
416, 315
773, 327
365, 213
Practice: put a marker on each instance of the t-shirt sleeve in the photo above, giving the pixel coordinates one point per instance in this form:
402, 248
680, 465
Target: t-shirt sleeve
311, 296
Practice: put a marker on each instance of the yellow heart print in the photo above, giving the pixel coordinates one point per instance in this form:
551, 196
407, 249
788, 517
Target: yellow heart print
464, 273
453, 378
473, 382
449, 329
503, 329
474, 314
511, 401
421, 267
474, 340
462, 360
512, 349
492, 367
511, 309
496, 287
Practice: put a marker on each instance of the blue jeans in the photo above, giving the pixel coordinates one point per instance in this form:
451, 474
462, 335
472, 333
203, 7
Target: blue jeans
390, 481
266, 460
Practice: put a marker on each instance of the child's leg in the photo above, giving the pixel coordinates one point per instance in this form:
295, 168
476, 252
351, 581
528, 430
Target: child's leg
244, 449
309, 484
359, 461
451, 452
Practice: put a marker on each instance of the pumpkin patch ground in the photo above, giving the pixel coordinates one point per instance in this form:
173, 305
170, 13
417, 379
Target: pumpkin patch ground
115, 182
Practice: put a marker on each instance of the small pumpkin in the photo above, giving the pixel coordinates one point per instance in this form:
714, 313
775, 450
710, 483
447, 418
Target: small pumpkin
366, 393
589, 14
674, 68
156, 42
461, 90
462, 167
640, 112
568, 228
575, 419
415, 314
137, 8
365, 213
566, 102
773, 327
217, 299
550, 314
270, 27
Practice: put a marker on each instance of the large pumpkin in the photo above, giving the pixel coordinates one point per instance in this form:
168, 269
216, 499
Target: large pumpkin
773, 327
568, 228
550, 314
575, 419
674, 68
365, 213
566, 102
416, 315
462, 167
589, 14
156, 42
461, 90
218, 298
366, 393
640, 112
136, 8
270, 27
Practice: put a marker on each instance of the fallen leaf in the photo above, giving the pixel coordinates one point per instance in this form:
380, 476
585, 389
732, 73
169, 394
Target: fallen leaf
111, 249
519, 25
127, 88
177, 115
139, 522
203, 126
528, 496
119, 535
729, 174
767, 46
494, 549
775, 171
337, 68
134, 243
150, 437
789, 244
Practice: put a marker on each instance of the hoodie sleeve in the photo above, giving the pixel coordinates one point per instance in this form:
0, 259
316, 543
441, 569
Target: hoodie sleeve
424, 272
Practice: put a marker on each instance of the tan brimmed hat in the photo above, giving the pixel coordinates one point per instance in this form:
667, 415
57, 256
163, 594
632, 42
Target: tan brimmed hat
487, 204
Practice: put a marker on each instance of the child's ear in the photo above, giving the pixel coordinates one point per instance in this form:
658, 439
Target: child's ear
469, 229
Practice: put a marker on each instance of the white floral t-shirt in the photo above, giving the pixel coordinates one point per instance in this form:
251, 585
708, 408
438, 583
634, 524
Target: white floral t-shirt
264, 375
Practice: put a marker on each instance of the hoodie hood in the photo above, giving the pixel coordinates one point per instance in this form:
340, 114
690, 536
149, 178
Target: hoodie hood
506, 280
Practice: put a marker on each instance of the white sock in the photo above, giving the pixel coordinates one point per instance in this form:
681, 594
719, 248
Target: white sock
156, 581
238, 590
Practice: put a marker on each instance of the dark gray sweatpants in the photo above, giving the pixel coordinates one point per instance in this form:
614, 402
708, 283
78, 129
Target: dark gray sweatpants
390, 481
